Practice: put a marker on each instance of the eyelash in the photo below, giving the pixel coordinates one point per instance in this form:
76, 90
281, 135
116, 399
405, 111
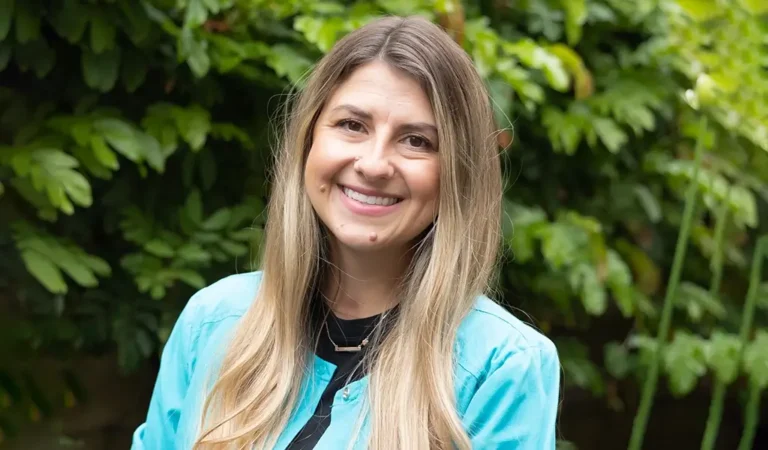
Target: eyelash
427, 143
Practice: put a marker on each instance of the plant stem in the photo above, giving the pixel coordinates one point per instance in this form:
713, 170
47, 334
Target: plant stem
652, 378
718, 393
751, 417
715, 416
754, 286
753, 402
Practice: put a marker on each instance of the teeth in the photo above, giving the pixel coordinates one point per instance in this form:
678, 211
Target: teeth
368, 199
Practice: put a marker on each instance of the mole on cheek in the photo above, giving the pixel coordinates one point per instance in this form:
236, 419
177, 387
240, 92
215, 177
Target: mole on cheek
372, 237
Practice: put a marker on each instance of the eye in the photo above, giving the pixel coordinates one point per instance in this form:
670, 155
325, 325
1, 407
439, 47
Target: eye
350, 125
417, 142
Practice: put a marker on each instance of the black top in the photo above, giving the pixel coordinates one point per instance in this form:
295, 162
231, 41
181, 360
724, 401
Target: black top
344, 333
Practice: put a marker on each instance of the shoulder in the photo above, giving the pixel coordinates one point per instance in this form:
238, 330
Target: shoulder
491, 337
227, 297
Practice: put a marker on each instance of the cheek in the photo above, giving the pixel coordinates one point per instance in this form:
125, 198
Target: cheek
324, 161
424, 181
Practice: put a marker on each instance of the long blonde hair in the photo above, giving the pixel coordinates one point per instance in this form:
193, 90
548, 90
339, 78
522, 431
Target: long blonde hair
261, 373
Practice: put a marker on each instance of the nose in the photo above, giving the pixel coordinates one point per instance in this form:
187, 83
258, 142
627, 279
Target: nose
374, 166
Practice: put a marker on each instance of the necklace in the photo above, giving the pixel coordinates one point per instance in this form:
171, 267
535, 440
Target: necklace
350, 349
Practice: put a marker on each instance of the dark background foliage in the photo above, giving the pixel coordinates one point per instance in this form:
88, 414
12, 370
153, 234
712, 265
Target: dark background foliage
134, 159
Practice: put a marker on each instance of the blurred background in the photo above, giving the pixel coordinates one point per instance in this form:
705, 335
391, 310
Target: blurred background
134, 156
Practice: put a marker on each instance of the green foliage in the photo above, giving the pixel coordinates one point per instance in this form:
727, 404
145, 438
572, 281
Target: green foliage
134, 141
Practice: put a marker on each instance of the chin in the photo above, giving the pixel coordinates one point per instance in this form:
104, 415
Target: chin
361, 241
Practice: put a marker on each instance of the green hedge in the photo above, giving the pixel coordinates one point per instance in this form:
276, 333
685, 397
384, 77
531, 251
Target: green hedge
134, 152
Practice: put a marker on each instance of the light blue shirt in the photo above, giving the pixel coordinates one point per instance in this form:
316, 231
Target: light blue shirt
507, 379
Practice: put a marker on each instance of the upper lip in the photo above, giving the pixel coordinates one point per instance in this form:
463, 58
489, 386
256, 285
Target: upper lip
370, 192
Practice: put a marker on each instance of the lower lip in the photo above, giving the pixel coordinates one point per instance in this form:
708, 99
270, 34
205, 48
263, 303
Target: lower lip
366, 209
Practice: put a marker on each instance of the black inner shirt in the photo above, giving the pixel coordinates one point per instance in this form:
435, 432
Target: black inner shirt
348, 367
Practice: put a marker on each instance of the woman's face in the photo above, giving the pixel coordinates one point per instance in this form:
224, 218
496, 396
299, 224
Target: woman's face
372, 173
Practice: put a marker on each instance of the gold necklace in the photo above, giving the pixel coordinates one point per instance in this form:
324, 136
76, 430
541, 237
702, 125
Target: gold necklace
350, 349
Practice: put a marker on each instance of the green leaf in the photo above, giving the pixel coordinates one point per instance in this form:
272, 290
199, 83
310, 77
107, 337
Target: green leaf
610, 134
71, 20
96, 264
151, 150
321, 31
756, 360
218, 220
619, 279
103, 153
685, 362
697, 300
649, 202
6, 14
27, 22
102, 33
121, 136
194, 124
193, 253
100, 70
44, 271
584, 279
723, 356
159, 248
192, 278
139, 23
196, 14
559, 244
195, 52
287, 62
77, 187
700, 10
520, 229
79, 272
575, 16
134, 70
234, 248
193, 208
537, 57
756, 7
617, 361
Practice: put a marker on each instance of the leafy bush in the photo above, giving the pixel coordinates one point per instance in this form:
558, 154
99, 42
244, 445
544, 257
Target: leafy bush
134, 153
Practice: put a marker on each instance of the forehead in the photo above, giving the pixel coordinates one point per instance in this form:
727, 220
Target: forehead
383, 90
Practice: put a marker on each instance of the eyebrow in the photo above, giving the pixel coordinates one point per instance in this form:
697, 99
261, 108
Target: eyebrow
361, 114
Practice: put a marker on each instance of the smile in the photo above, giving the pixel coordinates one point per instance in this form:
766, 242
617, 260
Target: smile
369, 199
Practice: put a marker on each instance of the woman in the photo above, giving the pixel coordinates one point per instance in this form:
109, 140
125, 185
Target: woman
367, 325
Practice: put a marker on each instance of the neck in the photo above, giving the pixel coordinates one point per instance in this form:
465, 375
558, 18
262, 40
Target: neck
363, 284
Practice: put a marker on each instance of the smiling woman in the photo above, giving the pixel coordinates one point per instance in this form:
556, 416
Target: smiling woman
373, 172
369, 324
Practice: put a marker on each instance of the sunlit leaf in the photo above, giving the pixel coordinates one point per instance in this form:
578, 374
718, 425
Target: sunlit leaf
218, 220
723, 356
756, 360
575, 16
45, 271
617, 361
685, 362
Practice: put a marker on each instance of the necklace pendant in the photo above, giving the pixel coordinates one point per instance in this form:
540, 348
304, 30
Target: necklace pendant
354, 349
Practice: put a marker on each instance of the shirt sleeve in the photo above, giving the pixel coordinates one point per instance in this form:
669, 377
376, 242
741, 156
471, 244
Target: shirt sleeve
516, 405
159, 430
